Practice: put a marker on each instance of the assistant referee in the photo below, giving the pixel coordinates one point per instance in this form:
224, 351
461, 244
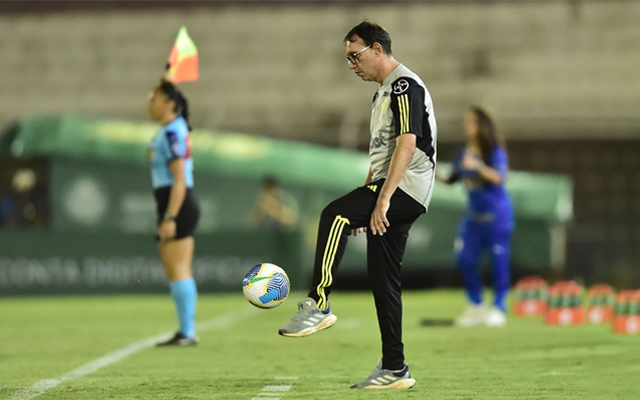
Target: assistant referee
396, 191
177, 208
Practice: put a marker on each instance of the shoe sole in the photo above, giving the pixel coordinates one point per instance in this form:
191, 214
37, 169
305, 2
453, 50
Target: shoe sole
324, 324
399, 384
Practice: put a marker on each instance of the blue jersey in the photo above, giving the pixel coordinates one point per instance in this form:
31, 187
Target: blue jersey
170, 143
487, 202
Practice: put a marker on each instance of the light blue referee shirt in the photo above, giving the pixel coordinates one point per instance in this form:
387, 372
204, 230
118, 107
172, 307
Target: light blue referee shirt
170, 143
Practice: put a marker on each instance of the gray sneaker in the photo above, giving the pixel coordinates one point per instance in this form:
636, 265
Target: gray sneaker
387, 379
308, 320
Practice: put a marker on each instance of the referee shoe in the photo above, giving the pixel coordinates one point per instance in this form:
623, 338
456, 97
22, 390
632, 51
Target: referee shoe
387, 379
308, 320
179, 340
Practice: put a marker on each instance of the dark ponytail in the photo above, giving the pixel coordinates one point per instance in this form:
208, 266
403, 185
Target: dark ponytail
184, 108
172, 92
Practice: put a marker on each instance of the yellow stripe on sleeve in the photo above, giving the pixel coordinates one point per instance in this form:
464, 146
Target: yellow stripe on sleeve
405, 101
401, 112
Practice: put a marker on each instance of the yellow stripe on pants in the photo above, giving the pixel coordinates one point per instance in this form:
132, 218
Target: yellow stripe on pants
329, 256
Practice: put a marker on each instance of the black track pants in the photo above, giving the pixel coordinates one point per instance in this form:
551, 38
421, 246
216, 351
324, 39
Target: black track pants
384, 257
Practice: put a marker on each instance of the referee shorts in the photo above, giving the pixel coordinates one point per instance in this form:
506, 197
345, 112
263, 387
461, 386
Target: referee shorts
187, 217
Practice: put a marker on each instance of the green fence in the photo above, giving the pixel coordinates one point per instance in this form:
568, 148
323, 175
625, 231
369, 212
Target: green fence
47, 263
103, 213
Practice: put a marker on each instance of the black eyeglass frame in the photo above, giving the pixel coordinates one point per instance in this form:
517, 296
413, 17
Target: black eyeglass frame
352, 58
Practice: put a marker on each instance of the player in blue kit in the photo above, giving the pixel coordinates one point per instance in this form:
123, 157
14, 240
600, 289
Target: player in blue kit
488, 221
177, 208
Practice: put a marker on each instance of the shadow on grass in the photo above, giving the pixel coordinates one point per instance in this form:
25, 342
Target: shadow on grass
430, 322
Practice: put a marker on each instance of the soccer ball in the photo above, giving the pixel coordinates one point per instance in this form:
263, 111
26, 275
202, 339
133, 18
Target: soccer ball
266, 285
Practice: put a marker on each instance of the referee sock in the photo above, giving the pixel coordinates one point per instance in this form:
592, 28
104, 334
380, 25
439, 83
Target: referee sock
185, 294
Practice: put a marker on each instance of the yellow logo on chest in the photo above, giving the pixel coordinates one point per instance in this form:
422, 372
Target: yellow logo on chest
384, 106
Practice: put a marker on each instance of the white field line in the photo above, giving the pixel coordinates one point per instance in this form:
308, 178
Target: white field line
555, 373
42, 386
275, 390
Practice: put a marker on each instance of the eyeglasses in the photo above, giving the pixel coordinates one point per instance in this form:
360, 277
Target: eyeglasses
353, 57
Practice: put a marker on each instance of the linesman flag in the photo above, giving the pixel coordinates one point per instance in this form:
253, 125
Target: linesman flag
183, 60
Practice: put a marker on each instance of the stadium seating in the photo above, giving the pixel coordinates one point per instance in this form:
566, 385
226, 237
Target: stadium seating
281, 72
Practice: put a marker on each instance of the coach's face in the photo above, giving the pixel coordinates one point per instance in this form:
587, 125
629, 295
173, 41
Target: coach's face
362, 59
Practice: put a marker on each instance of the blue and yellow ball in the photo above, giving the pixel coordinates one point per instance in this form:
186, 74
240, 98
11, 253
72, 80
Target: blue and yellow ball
266, 285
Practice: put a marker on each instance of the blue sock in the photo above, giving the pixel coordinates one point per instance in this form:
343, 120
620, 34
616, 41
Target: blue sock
468, 248
472, 280
185, 294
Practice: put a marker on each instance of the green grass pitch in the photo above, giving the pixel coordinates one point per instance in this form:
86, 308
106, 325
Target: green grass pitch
44, 338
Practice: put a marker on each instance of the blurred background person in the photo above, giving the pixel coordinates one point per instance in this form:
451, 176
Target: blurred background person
482, 164
177, 208
275, 208
23, 203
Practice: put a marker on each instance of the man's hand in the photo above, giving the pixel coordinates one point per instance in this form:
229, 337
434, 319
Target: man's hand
379, 222
354, 232
166, 230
